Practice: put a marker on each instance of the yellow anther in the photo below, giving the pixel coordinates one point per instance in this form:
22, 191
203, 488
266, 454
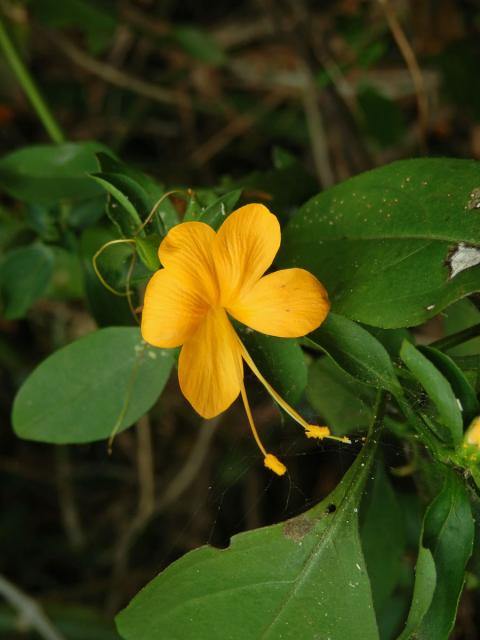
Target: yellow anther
314, 431
274, 464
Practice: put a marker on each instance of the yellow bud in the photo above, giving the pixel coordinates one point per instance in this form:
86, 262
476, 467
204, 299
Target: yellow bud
472, 435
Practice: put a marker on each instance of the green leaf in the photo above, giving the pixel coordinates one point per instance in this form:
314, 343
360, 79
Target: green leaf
356, 351
147, 249
108, 379
199, 44
123, 212
448, 534
24, 277
370, 238
461, 387
46, 174
383, 537
423, 590
304, 578
135, 195
280, 360
438, 389
341, 401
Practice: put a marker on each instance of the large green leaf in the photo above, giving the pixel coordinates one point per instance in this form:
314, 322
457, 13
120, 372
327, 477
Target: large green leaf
356, 351
81, 393
392, 245
304, 578
448, 534
24, 276
45, 174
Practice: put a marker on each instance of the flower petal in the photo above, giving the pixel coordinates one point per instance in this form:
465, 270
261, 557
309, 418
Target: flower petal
247, 243
288, 303
171, 312
210, 369
187, 250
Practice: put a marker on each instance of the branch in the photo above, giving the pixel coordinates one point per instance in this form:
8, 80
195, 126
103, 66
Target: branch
29, 610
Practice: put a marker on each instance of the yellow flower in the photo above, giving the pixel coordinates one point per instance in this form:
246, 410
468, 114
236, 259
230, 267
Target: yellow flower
208, 276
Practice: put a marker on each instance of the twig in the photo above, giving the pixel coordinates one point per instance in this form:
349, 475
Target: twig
412, 64
316, 128
444, 344
111, 74
234, 129
30, 611
146, 474
66, 498
192, 465
310, 93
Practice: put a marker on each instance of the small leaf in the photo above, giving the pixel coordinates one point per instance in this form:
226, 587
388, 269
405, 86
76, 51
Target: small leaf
448, 534
438, 389
147, 249
383, 536
356, 351
24, 277
122, 212
108, 379
423, 590
137, 195
216, 213
461, 387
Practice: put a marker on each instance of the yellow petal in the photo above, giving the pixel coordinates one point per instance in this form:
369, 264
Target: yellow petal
210, 369
288, 303
246, 245
171, 312
187, 251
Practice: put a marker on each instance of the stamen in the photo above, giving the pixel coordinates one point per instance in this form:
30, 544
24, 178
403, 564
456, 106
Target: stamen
314, 431
269, 460
311, 430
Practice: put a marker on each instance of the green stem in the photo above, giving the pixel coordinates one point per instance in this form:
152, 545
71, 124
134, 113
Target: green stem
457, 338
28, 85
